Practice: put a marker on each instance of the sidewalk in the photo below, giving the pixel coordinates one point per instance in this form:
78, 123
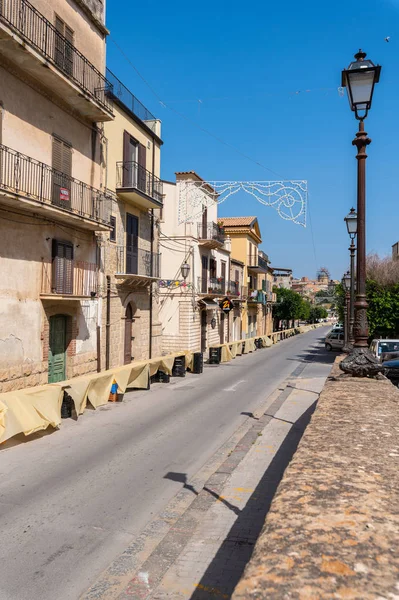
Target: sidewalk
207, 547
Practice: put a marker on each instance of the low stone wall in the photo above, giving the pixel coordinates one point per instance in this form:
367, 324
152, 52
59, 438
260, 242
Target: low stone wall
333, 527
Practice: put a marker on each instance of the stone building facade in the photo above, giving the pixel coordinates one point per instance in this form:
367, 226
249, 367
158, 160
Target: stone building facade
52, 204
131, 259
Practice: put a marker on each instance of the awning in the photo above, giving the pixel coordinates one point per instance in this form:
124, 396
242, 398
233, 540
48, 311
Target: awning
208, 304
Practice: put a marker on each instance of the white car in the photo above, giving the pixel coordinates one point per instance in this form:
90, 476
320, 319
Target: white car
380, 347
338, 326
334, 340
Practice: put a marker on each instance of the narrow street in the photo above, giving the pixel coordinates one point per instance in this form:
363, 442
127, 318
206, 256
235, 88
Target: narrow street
73, 500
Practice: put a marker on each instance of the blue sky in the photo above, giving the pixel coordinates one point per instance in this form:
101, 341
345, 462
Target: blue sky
246, 63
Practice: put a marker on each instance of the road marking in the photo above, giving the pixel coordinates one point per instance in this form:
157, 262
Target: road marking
233, 387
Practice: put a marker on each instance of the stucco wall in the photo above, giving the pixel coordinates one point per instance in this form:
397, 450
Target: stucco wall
87, 37
25, 243
30, 120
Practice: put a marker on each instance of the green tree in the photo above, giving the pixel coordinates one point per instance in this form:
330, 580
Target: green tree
288, 306
317, 313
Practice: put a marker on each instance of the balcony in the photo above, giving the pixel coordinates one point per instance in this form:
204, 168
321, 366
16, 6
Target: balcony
30, 41
213, 286
258, 296
120, 93
69, 280
137, 185
234, 289
210, 235
257, 263
34, 186
136, 264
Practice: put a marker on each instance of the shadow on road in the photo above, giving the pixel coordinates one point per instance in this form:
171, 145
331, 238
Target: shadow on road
315, 356
229, 563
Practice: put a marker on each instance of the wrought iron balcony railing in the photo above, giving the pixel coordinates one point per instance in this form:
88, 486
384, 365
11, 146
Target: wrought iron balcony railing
30, 24
212, 285
257, 262
210, 231
75, 278
131, 175
34, 180
135, 261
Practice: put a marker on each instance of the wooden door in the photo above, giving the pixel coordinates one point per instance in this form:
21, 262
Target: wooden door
203, 330
128, 335
62, 268
204, 275
57, 349
204, 223
129, 179
132, 235
143, 182
223, 276
62, 165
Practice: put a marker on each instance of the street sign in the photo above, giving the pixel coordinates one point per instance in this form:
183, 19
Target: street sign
226, 305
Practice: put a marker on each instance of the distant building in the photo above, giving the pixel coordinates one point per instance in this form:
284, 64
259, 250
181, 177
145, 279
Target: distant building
395, 251
282, 278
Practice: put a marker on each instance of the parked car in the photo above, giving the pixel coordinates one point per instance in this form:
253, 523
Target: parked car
334, 340
385, 349
392, 370
338, 326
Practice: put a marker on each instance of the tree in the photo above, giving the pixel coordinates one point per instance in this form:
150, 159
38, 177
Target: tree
288, 306
317, 313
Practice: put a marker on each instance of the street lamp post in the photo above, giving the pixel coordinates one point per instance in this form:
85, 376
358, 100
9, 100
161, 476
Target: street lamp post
346, 284
359, 79
351, 225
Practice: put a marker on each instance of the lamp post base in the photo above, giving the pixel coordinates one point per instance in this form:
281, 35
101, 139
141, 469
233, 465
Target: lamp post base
348, 347
361, 363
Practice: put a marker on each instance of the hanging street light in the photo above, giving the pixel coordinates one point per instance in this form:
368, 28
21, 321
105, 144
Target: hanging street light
185, 270
360, 79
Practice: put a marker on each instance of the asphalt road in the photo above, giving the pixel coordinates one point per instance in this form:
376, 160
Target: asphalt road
71, 501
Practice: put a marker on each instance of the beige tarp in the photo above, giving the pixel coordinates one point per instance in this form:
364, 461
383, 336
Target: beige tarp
30, 410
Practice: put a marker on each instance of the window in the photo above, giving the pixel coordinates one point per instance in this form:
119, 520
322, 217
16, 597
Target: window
333, 336
212, 268
112, 233
63, 46
62, 275
62, 163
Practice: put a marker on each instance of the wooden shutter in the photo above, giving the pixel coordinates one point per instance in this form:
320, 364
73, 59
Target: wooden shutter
204, 222
112, 233
63, 51
57, 154
144, 183
62, 279
204, 278
223, 274
62, 163
212, 268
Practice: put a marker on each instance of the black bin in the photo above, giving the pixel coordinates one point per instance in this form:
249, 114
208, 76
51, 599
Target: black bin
198, 363
163, 377
66, 406
179, 367
215, 356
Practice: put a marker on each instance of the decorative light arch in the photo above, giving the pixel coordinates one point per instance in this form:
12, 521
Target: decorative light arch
288, 198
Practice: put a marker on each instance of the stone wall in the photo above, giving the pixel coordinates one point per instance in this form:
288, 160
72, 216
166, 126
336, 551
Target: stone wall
333, 527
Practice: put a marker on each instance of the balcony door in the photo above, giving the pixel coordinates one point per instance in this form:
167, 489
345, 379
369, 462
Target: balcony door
134, 164
62, 165
127, 355
62, 268
132, 235
204, 274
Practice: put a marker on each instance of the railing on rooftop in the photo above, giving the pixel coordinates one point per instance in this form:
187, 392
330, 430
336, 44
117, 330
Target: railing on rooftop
120, 92
30, 24
23, 175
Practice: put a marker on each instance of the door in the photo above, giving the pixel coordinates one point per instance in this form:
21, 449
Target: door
62, 165
204, 223
130, 156
128, 335
132, 234
204, 275
62, 268
63, 46
203, 330
223, 275
222, 317
57, 349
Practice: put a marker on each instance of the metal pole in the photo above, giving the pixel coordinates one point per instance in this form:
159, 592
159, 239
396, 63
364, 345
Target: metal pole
352, 293
361, 362
346, 348
108, 323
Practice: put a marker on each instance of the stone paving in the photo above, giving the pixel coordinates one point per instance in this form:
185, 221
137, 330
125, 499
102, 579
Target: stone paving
205, 551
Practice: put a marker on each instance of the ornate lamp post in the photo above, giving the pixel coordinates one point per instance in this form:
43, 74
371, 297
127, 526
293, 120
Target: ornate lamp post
359, 79
185, 270
346, 284
351, 225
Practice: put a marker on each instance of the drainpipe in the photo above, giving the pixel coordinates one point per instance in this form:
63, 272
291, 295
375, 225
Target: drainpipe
152, 251
108, 323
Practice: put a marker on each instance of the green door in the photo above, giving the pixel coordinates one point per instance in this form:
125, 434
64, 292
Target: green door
57, 350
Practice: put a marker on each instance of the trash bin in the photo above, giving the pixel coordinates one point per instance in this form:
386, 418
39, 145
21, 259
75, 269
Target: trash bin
198, 363
215, 356
179, 367
66, 406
